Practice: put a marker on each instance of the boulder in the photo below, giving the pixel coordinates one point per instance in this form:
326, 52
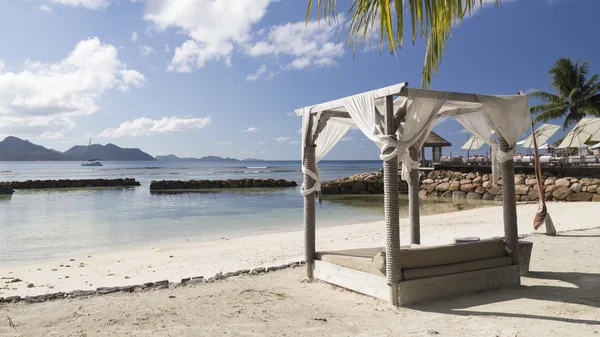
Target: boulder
498, 197
477, 180
485, 177
454, 186
471, 175
431, 187
521, 189
443, 187
428, 181
581, 196
487, 184
473, 195
550, 188
576, 187
495, 190
519, 180
347, 183
458, 195
592, 188
574, 180
423, 193
467, 188
447, 194
480, 190
359, 186
562, 183
533, 194
330, 189
488, 196
466, 181
561, 193
530, 182
596, 197
371, 179
549, 182
589, 181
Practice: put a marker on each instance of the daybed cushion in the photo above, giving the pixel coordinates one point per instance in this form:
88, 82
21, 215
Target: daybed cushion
422, 257
416, 273
357, 259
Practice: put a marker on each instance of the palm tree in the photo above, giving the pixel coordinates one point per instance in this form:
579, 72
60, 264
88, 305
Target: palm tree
577, 96
435, 18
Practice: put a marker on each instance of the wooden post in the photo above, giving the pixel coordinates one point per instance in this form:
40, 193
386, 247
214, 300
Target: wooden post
413, 202
391, 207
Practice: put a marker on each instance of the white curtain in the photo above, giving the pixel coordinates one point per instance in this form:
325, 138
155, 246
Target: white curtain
362, 110
333, 132
420, 115
509, 116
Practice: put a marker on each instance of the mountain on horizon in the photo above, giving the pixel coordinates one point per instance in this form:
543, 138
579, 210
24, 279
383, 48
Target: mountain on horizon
172, 157
16, 149
106, 152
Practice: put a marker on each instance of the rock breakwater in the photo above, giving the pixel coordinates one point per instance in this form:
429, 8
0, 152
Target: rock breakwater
70, 183
170, 185
474, 185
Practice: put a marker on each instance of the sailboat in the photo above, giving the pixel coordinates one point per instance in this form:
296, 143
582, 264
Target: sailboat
90, 162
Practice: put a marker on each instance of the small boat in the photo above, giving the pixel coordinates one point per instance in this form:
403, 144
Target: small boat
90, 162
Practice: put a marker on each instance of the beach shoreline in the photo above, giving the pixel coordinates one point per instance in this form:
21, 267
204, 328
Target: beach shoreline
176, 261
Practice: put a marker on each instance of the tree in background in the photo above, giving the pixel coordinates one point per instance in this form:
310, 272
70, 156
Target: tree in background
434, 19
577, 96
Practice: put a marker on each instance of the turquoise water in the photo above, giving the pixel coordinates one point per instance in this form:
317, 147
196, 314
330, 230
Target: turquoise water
40, 224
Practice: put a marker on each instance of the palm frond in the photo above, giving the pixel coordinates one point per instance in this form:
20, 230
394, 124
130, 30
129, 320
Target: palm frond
433, 19
548, 97
546, 107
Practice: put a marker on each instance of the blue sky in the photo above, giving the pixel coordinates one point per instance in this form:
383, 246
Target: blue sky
206, 77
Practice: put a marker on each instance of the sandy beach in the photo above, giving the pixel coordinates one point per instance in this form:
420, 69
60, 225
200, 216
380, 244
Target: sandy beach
559, 297
174, 262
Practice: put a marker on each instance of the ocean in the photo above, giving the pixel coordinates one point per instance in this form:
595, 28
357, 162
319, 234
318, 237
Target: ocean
42, 224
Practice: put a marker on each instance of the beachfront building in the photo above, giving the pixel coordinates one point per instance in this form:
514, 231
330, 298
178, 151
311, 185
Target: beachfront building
436, 143
399, 120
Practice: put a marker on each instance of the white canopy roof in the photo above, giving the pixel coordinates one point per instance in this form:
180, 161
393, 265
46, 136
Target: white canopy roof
474, 143
542, 134
378, 115
586, 129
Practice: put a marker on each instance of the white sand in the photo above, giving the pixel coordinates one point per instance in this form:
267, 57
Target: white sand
147, 264
558, 298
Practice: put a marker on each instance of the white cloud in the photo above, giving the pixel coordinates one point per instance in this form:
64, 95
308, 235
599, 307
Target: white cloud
251, 129
44, 99
167, 48
134, 37
46, 8
311, 44
262, 142
146, 51
464, 131
262, 70
281, 139
225, 142
90, 4
214, 27
295, 142
347, 139
291, 113
145, 126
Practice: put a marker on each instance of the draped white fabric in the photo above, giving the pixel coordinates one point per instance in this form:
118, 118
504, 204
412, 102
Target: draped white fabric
420, 116
333, 132
367, 118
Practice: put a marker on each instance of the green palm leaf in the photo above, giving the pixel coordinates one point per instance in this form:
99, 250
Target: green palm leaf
434, 20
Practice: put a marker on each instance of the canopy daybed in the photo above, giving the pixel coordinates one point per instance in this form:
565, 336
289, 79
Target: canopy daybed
399, 119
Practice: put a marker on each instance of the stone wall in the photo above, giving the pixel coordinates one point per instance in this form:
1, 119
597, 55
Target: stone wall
70, 183
166, 185
6, 188
474, 185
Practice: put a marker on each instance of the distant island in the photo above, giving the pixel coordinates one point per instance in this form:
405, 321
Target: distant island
172, 157
16, 149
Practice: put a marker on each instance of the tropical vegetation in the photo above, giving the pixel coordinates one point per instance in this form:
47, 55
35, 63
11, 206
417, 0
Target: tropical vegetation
434, 19
577, 94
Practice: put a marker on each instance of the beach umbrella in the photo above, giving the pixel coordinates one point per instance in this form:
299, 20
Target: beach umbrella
474, 143
542, 134
543, 146
595, 146
586, 129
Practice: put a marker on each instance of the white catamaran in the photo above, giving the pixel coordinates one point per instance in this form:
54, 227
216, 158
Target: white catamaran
90, 162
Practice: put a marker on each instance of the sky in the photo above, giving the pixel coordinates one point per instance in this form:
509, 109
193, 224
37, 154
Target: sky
222, 77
